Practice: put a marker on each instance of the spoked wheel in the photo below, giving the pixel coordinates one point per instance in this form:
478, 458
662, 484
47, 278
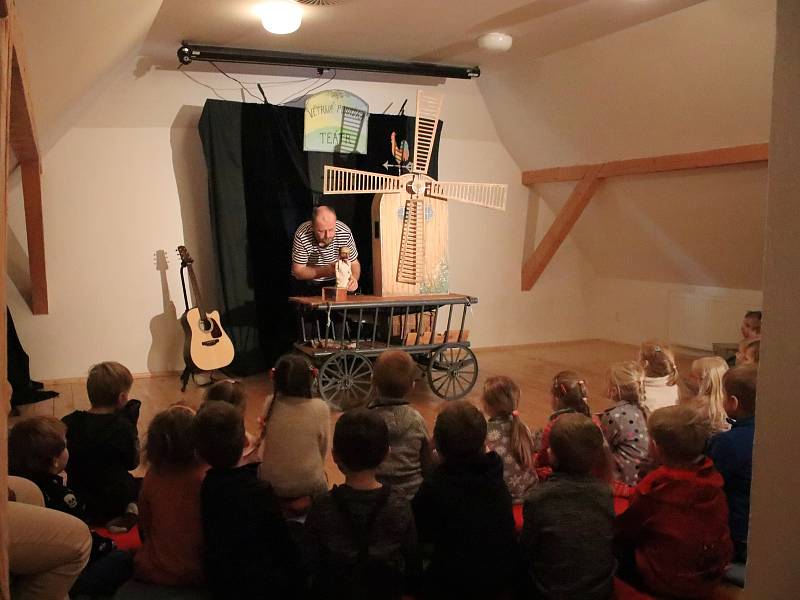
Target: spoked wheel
452, 371
345, 379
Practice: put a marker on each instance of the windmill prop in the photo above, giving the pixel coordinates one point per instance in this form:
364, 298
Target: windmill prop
409, 211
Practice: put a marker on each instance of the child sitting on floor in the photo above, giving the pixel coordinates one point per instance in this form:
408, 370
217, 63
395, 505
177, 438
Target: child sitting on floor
624, 425
732, 451
232, 392
708, 372
410, 452
37, 450
464, 510
567, 533
361, 538
677, 521
568, 394
749, 352
294, 436
661, 375
751, 332
249, 552
103, 444
509, 436
169, 505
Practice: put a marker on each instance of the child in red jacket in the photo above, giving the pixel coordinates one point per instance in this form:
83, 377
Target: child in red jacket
677, 522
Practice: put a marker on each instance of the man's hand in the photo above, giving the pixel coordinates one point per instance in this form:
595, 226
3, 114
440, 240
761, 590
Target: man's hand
352, 285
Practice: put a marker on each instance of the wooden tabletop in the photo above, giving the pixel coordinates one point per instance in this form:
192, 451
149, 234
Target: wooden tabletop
356, 300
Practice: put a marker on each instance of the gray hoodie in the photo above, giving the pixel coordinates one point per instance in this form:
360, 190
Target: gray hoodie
409, 446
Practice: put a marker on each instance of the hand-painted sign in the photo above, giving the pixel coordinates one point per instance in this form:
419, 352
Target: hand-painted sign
336, 121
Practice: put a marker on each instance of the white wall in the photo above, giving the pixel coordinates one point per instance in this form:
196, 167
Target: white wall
696, 79
774, 555
128, 179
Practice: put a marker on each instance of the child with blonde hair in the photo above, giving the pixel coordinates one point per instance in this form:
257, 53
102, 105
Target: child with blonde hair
661, 375
509, 436
568, 394
749, 352
169, 504
624, 425
707, 372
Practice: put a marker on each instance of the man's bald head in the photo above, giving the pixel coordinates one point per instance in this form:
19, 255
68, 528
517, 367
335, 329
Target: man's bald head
323, 222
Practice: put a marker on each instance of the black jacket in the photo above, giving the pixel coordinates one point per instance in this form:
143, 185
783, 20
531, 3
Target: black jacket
464, 510
103, 447
249, 552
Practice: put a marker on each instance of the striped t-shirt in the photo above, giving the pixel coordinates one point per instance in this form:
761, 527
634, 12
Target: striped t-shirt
307, 251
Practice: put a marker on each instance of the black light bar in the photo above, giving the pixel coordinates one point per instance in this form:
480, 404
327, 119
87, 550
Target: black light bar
189, 52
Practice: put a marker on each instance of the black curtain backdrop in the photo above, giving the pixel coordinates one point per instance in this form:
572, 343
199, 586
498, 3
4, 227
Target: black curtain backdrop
262, 186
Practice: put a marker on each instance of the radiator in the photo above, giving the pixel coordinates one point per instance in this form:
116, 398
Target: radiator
698, 321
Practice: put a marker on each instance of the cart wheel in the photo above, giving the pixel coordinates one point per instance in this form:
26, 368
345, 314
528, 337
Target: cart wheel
345, 379
452, 371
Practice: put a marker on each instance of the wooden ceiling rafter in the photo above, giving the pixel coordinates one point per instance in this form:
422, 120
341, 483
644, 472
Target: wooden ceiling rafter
590, 177
23, 140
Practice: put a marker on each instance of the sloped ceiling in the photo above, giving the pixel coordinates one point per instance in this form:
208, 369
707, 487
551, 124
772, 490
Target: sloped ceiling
73, 46
696, 79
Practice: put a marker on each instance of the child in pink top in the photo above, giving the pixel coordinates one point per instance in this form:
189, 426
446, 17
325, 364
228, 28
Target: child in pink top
169, 504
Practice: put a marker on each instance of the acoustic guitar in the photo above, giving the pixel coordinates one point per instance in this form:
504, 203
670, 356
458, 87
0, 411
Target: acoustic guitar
206, 344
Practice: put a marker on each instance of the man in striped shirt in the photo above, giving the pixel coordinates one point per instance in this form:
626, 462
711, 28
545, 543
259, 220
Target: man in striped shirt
315, 251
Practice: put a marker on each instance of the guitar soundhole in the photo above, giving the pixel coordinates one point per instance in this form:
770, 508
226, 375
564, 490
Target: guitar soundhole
205, 325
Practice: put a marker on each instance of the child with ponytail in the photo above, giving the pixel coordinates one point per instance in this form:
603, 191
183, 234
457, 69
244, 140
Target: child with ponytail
294, 434
661, 375
624, 425
509, 436
708, 372
568, 394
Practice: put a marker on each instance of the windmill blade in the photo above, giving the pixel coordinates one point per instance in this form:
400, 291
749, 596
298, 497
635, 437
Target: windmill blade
338, 180
428, 108
411, 266
490, 195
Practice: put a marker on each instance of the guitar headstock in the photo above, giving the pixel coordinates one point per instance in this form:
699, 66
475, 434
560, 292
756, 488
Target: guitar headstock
186, 258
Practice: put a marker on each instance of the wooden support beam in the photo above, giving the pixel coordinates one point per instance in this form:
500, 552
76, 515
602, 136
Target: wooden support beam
6, 50
566, 218
32, 192
718, 157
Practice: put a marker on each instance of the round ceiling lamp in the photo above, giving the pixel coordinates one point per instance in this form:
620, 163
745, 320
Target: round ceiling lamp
280, 16
495, 42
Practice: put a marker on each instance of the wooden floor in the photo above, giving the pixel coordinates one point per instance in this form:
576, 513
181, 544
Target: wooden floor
532, 367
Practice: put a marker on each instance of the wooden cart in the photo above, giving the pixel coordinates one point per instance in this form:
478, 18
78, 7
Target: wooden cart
343, 338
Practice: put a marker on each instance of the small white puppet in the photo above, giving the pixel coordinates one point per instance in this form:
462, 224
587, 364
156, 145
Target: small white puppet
343, 269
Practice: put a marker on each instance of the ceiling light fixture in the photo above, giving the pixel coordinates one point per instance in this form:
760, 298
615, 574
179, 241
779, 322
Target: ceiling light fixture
280, 16
495, 42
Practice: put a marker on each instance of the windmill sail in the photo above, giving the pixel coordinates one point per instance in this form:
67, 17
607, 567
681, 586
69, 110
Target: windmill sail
428, 108
490, 195
350, 133
338, 180
411, 265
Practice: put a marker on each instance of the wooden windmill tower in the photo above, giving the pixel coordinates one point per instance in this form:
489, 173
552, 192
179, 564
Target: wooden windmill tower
409, 212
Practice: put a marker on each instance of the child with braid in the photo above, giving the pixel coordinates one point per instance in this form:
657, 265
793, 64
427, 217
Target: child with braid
509, 436
661, 375
624, 425
568, 394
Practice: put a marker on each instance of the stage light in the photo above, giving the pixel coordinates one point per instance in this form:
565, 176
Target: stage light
495, 42
280, 16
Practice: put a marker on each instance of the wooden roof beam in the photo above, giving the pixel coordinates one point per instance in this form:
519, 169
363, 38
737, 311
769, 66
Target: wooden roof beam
718, 157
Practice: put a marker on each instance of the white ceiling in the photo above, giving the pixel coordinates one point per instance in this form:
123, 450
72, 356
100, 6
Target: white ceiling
72, 46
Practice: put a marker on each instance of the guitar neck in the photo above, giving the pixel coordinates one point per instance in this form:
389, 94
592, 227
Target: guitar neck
196, 291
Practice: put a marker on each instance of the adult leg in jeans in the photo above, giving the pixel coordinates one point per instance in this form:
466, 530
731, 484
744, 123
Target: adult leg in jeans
47, 550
